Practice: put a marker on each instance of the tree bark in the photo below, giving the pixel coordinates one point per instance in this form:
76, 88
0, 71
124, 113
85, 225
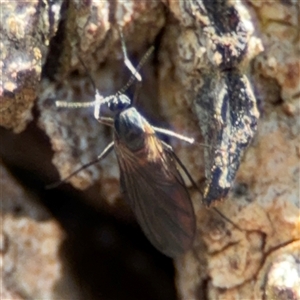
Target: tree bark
225, 73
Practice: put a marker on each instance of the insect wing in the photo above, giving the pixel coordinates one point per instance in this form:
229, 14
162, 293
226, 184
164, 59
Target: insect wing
157, 194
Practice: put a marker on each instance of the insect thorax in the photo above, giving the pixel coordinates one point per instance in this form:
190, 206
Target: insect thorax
130, 129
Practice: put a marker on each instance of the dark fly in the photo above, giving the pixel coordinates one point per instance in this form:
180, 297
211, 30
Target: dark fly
151, 182
149, 175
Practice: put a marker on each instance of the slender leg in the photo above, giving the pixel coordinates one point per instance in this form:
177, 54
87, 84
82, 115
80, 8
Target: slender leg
99, 100
87, 73
170, 149
106, 121
174, 134
183, 138
103, 154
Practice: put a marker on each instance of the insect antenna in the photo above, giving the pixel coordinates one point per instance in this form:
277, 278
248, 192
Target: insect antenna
133, 76
127, 61
66, 104
98, 98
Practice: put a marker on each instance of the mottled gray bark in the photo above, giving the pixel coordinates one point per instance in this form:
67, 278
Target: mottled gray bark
217, 67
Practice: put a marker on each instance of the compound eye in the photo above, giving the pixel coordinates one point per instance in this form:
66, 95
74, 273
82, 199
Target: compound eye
124, 101
119, 103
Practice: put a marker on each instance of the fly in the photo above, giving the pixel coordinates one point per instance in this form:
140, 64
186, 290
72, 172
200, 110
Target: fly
149, 177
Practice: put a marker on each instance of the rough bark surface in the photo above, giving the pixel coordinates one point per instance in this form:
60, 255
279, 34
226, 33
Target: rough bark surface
30, 242
196, 54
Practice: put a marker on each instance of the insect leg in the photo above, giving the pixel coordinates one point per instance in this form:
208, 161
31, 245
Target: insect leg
106, 121
174, 134
170, 149
99, 100
182, 137
103, 154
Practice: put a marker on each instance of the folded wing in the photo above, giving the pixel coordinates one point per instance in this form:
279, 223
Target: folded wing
157, 195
